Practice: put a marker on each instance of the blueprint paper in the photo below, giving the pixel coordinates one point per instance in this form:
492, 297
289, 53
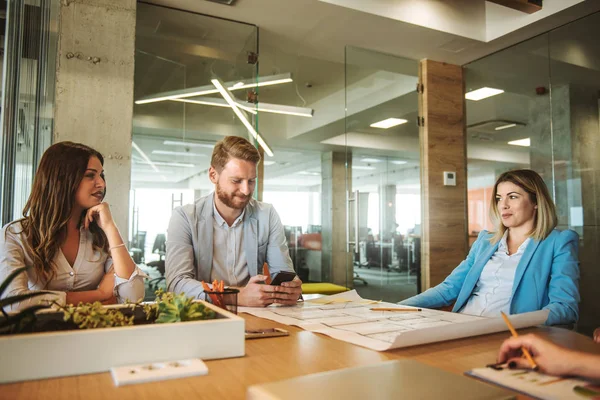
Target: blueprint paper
348, 317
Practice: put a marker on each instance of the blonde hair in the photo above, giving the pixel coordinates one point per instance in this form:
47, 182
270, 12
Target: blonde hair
545, 219
233, 147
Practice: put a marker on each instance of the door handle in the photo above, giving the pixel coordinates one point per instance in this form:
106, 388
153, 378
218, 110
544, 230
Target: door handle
354, 242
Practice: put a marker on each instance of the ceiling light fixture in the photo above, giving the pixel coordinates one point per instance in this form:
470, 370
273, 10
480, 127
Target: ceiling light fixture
144, 156
398, 162
209, 89
371, 160
211, 101
187, 144
482, 93
267, 163
521, 142
501, 128
388, 123
363, 167
229, 99
177, 153
253, 108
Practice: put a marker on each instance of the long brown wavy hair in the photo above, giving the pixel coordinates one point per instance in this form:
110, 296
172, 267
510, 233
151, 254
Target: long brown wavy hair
48, 209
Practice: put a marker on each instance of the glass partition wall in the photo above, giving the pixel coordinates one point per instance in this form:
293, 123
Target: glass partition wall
383, 178
28, 64
181, 60
545, 116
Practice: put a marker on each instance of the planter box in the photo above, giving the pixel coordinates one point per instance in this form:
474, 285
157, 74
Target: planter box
63, 353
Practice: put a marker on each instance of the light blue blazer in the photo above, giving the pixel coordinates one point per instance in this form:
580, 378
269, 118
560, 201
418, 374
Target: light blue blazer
190, 244
547, 277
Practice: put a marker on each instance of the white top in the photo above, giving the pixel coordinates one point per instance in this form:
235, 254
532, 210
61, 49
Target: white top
87, 271
229, 262
494, 288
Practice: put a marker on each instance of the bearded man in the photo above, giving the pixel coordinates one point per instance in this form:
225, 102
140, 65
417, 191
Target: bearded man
228, 235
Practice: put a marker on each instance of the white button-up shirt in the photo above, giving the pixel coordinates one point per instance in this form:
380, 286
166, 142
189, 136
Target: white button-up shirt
87, 271
229, 258
494, 288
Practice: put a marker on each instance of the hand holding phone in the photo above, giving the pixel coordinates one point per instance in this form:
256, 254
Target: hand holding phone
283, 276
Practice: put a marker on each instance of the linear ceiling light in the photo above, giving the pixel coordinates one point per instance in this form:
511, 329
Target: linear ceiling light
364, 167
252, 108
388, 123
211, 101
398, 162
188, 144
507, 126
178, 153
482, 93
277, 109
209, 89
229, 99
521, 142
144, 156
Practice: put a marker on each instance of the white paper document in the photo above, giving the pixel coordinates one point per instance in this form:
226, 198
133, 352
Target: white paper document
348, 317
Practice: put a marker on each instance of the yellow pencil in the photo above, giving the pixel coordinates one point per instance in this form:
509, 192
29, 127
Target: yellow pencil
394, 309
523, 349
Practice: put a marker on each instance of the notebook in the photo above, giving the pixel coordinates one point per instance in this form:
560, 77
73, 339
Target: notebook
538, 385
402, 379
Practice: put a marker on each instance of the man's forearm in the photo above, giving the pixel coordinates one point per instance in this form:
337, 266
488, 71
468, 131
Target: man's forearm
191, 287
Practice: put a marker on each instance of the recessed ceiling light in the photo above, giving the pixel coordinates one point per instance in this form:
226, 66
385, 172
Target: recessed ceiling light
398, 162
308, 173
521, 142
177, 153
364, 167
267, 162
482, 93
388, 123
370, 160
502, 127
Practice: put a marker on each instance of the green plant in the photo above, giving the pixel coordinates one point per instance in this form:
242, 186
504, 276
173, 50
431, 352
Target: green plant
95, 315
171, 307
18, 321
168, 307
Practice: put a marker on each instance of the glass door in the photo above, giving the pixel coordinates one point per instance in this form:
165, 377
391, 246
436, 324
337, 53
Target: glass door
382, 174
189, 70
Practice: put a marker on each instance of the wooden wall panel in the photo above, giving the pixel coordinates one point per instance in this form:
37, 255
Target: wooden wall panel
443, 148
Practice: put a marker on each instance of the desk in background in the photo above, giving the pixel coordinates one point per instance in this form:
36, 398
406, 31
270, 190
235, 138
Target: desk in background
274, 359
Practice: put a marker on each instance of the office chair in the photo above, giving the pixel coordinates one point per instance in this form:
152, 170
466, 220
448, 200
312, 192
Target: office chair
159, 246
137, 247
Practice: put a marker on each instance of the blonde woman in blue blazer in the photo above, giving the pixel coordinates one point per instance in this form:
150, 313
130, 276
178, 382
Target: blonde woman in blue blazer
526, 265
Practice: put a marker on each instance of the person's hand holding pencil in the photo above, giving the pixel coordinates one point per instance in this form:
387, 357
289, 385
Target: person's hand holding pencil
532, 363
550, 358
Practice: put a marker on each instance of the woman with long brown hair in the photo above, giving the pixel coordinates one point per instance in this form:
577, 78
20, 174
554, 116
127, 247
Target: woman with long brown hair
67, 235
525, 265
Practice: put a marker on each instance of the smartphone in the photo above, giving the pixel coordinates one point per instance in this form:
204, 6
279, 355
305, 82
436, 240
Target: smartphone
283, 276
265, 333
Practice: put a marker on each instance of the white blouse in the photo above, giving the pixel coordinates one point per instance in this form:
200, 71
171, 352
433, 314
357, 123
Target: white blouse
89, 268
493, 291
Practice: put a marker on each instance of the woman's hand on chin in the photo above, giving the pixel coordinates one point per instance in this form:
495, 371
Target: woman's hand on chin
101, 214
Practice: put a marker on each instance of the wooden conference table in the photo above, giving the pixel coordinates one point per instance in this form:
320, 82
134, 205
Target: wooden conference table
273, 359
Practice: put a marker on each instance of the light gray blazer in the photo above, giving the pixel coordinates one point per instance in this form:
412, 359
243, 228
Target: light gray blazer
190, 244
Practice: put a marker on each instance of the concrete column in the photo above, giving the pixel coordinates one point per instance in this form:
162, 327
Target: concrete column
94, 88
336, 261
